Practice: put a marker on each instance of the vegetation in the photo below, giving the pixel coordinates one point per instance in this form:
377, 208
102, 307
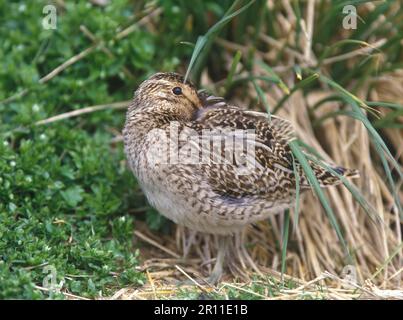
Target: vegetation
67, 200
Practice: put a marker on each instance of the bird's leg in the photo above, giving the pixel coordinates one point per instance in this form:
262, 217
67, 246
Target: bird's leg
246, 254
223, 247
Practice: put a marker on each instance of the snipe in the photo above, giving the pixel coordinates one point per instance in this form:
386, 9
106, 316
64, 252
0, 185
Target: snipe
208, 165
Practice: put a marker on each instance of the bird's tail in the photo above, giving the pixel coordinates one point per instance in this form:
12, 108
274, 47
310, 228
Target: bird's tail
325, 177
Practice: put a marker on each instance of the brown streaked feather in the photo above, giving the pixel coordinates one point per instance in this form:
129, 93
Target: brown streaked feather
272, 179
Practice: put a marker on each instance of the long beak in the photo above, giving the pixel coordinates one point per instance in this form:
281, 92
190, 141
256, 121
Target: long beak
209, 101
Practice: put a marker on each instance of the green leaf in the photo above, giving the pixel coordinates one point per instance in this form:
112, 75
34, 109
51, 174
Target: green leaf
285, 241
299, 85
73, 195
231, 73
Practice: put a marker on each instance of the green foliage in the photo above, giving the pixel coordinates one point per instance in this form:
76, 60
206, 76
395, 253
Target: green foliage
65, 193
66, 197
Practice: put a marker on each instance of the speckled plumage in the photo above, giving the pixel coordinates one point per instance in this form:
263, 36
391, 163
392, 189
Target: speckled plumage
210, 197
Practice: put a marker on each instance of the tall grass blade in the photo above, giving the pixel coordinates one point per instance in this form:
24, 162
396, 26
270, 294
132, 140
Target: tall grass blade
285, 241
262, 98
372, 213
299, 85
355, 102
297, 192
271, 72
231, 73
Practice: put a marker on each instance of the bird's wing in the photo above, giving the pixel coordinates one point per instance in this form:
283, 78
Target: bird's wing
262, 162
272, 172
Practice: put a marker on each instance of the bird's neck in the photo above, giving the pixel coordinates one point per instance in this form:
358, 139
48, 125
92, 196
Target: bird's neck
158, 113
140, 123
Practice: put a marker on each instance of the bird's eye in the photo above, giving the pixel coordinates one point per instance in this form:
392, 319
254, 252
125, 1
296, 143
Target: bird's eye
177, 90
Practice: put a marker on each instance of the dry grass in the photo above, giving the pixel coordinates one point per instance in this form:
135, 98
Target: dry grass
166, 269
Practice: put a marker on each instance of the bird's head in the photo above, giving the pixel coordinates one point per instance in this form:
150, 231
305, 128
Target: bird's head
169, 94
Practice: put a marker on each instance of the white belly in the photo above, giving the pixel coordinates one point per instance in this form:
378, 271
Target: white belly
181, 212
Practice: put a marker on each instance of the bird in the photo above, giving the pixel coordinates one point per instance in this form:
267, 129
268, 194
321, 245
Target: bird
175, 144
